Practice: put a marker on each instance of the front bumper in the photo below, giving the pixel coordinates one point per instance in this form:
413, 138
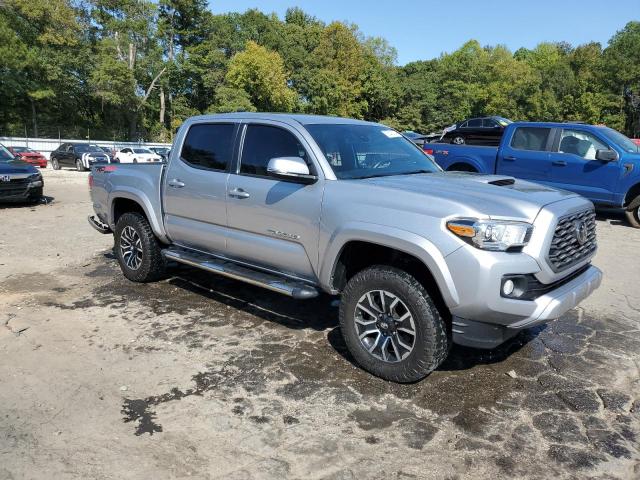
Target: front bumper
21, 191
487, 334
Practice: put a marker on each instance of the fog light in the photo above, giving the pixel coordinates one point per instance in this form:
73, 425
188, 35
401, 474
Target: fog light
508, 287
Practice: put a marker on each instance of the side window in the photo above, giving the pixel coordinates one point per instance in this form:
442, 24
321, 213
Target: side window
463, 125
262, 143
474, 123
530, 138
489, 123
580, 143
209, 145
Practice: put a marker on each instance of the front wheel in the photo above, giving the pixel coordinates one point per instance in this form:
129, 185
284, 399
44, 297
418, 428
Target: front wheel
137, 249
633, 214
458, 140
55, 164
79, 165
391, 325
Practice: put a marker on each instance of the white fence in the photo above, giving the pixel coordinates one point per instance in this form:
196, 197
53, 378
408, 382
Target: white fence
47, 145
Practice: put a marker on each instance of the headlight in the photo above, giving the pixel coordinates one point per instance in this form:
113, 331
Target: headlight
495, 235
35, 176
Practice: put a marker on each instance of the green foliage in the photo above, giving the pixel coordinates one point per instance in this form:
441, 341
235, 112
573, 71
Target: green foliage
129, 69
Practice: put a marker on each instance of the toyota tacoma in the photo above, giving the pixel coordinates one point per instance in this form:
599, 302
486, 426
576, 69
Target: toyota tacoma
302, 204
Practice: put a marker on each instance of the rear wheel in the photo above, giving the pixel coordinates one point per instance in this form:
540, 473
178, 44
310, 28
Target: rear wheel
55, 164
391, 325
633, 214
137, 249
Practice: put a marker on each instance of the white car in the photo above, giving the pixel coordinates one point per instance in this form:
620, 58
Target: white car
137, 155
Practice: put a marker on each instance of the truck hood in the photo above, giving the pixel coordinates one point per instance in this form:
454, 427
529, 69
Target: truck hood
473, 193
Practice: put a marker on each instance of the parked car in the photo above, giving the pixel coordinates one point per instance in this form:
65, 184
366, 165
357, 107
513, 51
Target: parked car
79, 155
597, 162
476, 131
300, 204
162, 151
110, 152
19, 181
30, 156
636, 141
137, 155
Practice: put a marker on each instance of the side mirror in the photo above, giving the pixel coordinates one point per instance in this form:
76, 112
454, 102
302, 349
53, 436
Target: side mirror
291, 169
606, 155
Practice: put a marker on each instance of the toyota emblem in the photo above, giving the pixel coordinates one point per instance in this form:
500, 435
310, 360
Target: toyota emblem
581, 232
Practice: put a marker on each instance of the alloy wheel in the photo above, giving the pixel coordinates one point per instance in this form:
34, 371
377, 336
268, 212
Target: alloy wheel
131, 248
385, 326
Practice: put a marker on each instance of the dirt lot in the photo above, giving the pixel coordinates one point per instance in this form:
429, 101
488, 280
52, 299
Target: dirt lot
201, 377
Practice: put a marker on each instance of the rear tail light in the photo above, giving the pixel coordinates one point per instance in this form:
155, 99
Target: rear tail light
90, 180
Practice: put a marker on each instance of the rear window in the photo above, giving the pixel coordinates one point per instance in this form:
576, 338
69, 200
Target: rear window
209, 146
530, 138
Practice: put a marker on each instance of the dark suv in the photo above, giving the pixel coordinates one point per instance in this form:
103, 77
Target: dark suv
476, 131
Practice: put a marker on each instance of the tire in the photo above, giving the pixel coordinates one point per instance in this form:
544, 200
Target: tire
458, 140
151, 263
135, 160
633, 214
55, 164
79, 165
430, 342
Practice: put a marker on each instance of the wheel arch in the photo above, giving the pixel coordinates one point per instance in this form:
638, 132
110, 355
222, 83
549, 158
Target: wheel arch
382, 245
632, 198
124, 201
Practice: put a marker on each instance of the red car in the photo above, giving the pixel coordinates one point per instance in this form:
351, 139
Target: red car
636, 141
30, 156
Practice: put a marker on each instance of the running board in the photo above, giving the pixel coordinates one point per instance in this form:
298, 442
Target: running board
270, 281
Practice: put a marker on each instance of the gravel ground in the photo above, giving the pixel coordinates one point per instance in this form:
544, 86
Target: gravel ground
202, 377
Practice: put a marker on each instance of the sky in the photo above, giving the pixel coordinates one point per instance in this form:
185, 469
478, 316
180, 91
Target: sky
421, 30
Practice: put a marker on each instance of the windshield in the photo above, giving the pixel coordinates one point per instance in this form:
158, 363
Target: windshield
5, 155
362, 151
87, 148
142, 150
21, 149
621, 140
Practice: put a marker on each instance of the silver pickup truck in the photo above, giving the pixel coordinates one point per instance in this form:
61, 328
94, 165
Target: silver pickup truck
301, 204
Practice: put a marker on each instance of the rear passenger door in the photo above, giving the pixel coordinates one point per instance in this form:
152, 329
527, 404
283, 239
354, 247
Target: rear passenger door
525, 155
194, 191
273, 223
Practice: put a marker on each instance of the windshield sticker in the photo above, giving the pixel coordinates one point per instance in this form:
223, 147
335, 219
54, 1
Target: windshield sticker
391, 134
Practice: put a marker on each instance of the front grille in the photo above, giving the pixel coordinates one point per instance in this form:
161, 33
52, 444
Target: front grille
17, 186
566, 249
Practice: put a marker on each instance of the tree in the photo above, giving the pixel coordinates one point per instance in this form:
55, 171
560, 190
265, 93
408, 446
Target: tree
261, 74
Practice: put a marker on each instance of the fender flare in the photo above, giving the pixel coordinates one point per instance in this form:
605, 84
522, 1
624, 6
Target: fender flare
145, 203
398, 239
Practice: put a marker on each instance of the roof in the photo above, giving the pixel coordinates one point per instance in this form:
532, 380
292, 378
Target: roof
300, 118
558, 124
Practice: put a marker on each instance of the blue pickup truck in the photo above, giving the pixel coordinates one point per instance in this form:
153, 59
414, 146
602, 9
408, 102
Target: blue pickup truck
597, 162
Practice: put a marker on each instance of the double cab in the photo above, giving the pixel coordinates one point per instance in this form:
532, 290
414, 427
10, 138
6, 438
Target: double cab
301, 204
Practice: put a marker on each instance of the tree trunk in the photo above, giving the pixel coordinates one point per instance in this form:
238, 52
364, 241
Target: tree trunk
162, 107
132, 56
133, 126
33, 117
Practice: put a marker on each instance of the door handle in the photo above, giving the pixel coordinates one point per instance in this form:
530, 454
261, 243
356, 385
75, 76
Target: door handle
175, 183
560, 163
239, 193
510, 159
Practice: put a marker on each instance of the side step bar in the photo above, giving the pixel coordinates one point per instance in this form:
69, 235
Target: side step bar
276, 283
98, 225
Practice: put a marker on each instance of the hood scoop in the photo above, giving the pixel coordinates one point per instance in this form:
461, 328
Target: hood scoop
502, 182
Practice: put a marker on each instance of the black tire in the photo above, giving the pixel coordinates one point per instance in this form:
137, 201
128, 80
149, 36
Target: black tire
152, 264
458, 140
79, 165
633, 214
431, 342
55, 164
135, 160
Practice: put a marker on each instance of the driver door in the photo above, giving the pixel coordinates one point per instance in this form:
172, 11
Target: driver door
273, 223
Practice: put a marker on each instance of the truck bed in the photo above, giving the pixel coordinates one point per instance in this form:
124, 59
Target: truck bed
447, 155
141, 182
